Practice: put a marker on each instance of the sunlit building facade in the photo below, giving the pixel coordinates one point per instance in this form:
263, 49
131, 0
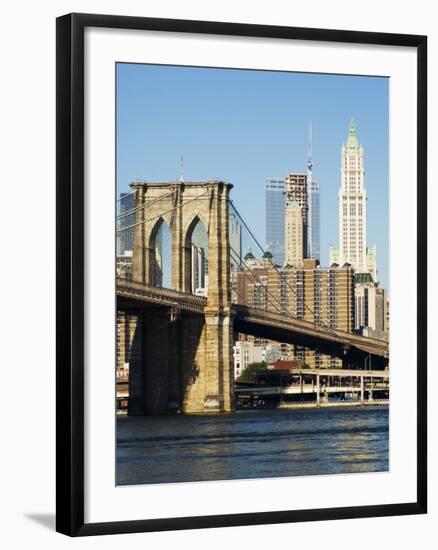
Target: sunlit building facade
294, 238
352, 204
314, 294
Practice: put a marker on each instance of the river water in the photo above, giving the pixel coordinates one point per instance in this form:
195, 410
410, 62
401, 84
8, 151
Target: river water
252, 444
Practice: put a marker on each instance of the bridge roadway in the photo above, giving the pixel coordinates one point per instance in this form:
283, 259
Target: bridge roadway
256, 322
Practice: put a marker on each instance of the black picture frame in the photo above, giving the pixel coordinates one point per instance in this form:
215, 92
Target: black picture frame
70, 273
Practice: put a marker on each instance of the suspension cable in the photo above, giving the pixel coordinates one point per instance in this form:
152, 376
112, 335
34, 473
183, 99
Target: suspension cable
146, 204
241, 297
257, 280
163, 213
324, 325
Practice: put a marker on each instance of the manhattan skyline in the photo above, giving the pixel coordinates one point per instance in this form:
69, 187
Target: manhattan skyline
244, 126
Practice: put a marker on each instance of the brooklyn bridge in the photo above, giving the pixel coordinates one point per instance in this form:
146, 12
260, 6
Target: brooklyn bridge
180, 344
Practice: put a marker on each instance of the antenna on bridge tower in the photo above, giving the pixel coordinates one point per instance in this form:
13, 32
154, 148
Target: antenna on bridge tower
181, 169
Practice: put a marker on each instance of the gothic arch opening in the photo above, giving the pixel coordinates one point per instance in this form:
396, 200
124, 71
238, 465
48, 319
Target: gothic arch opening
197, 258
160, 247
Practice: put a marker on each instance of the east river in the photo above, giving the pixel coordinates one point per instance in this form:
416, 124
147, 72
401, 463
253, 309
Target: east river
252, 444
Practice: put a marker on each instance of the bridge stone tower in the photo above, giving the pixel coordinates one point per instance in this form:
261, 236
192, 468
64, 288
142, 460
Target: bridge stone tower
186, 360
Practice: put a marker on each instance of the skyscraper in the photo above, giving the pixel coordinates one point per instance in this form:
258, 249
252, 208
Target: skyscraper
333, 255
199, 271
235, 241
275, 203
314, 250
371, 307
294, 244
296, 193
313, 215
372, 261
352, 204
126, 220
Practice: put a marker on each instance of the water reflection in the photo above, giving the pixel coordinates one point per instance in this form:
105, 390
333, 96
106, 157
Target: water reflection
251, 444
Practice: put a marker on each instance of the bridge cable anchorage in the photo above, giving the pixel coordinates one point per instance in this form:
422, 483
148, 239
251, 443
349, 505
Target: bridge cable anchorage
257, 280
145, 205
321, 323
162, 213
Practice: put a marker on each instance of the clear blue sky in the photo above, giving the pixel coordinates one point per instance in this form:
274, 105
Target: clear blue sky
243, 126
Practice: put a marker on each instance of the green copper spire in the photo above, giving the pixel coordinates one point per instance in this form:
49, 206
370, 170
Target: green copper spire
352, 135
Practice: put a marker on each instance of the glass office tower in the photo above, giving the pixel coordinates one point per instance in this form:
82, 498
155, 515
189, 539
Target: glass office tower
315, 247
275, 204
126, 220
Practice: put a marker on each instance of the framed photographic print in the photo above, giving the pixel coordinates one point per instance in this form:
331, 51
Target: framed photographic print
241, 267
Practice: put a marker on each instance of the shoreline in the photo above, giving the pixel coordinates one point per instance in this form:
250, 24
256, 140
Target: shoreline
285, 406
344, 404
